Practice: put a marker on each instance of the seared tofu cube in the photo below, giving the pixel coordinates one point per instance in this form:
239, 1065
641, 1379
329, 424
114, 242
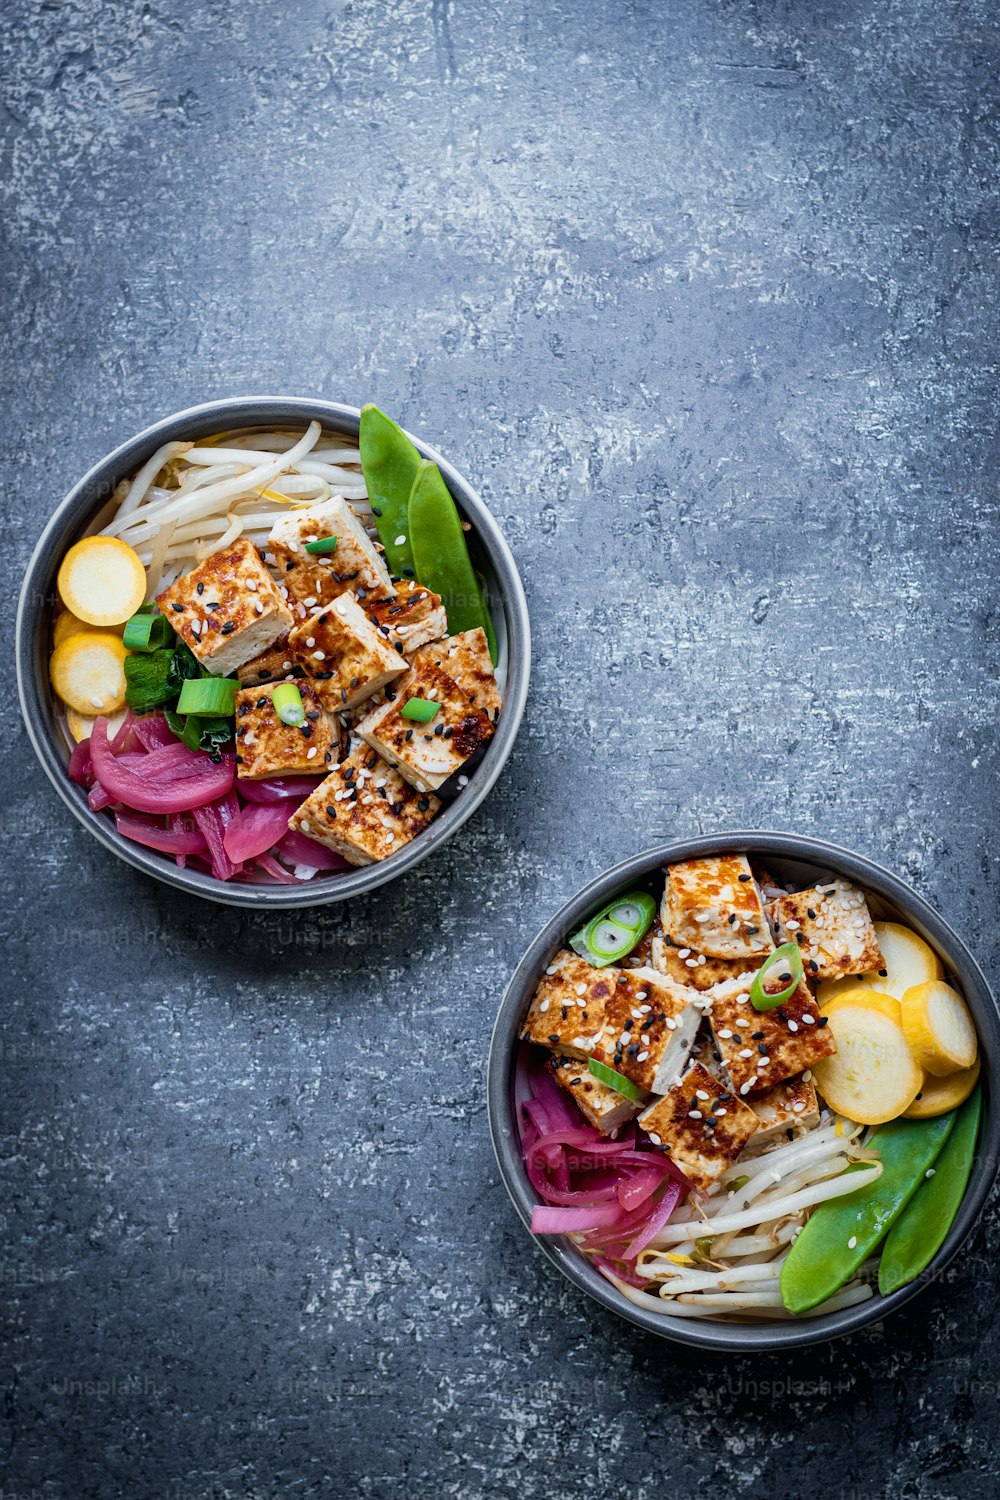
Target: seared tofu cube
763, 1047
265, 746
784, 1111
273, 665
602, 1107
712, 906
344, 654
568, 1007
466, 658
649, 1028
702, 1124
696, 969
227, 610
426, 753
833, 928
364, 811
354, 566
415, 617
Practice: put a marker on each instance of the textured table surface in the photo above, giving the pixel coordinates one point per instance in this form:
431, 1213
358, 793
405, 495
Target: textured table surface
703, 297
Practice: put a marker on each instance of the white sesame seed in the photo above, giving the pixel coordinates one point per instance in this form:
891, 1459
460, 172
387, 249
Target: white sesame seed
746, 1052
310, 640
582, 1004
641, 996
807, 1075
544, 1006
722, 1111
852, 1243
196, 627
581, 989
792, 925
304, 826
683, 952
745, 1087
694, 1114
400, 541
97, 702
319, 655
286, 666
463, 781
551, 969
701, 1094
311, 754
645, 1008
637, 1015
654, 1138
930, 1172
671, 1024
390, 838
259, 606
644, 1038
809, 1020
725, 1032
311, 600
691, 963
793, 1026
642, 1057
798, 1106
702, 959
252, 585
249, 738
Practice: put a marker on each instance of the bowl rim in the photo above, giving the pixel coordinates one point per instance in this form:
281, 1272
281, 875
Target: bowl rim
721, 1337
94, 488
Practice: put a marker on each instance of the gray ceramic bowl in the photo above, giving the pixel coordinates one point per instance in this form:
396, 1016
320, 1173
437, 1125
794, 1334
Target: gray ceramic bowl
77, 514
789, 857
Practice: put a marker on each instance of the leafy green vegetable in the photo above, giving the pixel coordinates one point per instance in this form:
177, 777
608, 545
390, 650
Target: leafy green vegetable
149, 680
199, 733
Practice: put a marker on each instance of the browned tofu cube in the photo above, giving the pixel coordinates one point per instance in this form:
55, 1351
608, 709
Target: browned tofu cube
426, 753
601, 1106
649, 1028
415, 617
364, 810
833, 928
344, 654
712, 906
227, 609
696, 969
702, 1124
273, 665
786, 1110
567, 1010
355, 565
466, 658
763, 1047
265, 746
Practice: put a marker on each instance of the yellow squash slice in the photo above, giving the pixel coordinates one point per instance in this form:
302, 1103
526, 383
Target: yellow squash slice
80, 725
101, 580
87, 672
872, 1077
908, 961
939, 1029
67, 624
938, 1095
872, 999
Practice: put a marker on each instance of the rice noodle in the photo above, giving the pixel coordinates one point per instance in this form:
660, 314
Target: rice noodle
136, 492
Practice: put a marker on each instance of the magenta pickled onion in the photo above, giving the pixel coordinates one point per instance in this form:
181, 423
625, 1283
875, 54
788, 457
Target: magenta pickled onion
153, 732
661, 1213
545, 1220
97, 798
634, 1191
272, 866
141, 830
124, 738
299, 849
213, 820
81, 764
255, 829
278, 787
206, 781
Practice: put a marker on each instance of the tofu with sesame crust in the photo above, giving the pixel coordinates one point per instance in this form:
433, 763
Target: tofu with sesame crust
763, 1047
696, 969
833, 927
266, 746
649, 1028
426, 753
227, 609
273, 665
364, 811
355, 565
414, 618
568, 1007
783, 1112
466, 658
602, 1107
712, 906
344, 655
701, 1124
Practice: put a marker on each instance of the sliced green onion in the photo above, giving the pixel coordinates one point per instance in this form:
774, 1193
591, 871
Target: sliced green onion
322, 546
787, 956
208, 696
288, 704
616, 930
613, 1080
146, 632
422, 710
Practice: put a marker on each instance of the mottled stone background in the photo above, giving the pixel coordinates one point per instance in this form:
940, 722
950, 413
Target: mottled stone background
703, 296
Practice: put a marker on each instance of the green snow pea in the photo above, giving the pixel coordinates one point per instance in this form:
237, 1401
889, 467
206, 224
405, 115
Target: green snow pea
389, 462
922, 1227
441, 555
843, 1232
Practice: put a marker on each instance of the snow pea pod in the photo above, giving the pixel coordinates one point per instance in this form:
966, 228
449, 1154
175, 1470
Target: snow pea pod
843, 1232
921, 1229
442, 557
389, 462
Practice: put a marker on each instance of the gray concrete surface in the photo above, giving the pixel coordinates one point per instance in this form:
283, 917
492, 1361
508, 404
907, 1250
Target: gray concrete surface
703, 295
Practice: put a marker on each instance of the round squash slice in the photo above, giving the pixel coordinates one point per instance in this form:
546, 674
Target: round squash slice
872, 999
87, 672
938, 1095
81, 725
939, 1028
102, 580
872, 1077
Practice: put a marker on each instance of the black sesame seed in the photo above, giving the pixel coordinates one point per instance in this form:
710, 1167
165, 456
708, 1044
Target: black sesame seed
201, 588
229, 627
332, 811
178, 607
744, 877
306, 731
408, 735
313, 714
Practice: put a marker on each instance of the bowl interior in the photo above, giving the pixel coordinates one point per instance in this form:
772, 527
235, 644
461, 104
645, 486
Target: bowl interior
790, 859
88, 507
